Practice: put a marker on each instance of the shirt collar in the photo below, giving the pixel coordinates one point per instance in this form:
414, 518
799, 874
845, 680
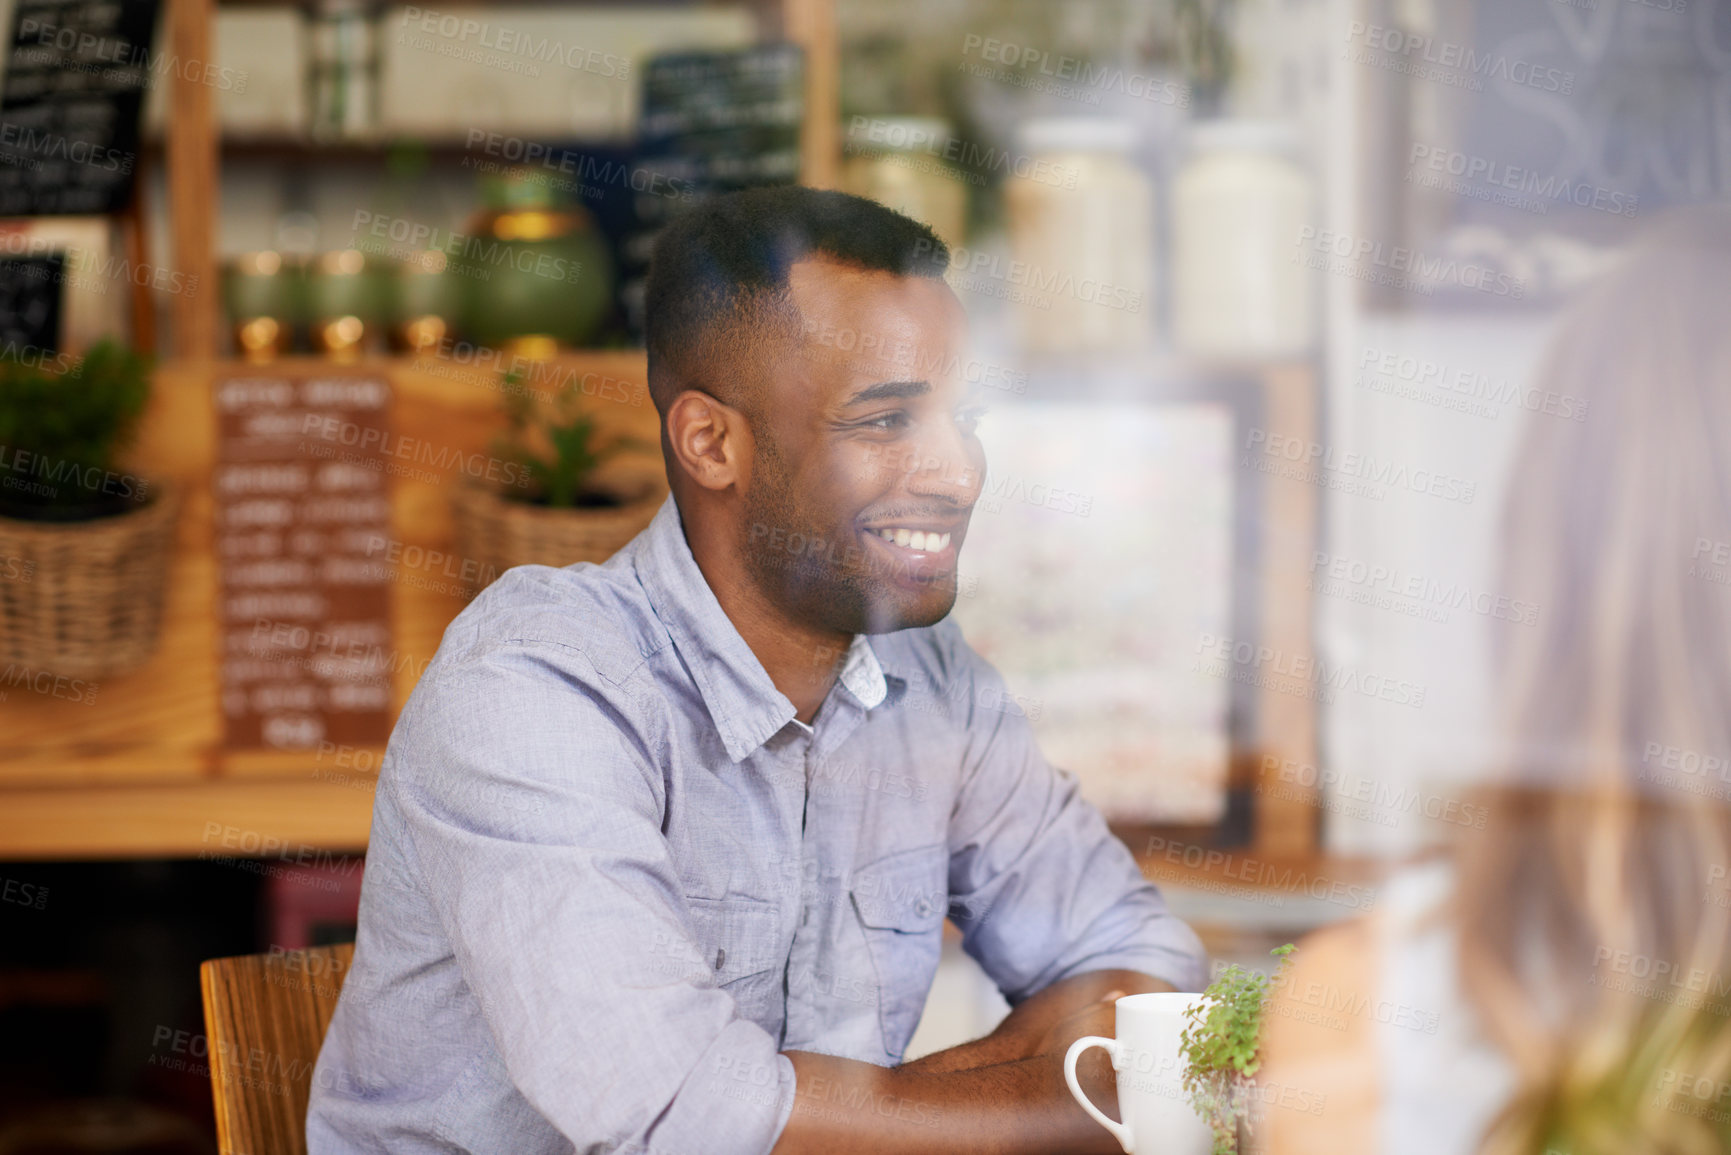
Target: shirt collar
743, 703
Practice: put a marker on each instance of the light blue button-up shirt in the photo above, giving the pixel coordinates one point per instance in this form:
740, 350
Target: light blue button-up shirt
612, 877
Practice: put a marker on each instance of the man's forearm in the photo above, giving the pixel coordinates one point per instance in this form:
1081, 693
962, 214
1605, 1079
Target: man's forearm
1002, 1094
843, 1107
1019, 1035
1008, 1043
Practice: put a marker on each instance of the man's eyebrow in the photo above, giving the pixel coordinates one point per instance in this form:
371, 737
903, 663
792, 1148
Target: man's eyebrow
888, 390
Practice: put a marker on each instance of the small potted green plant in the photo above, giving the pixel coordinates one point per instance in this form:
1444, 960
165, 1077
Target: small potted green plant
552, 503
95, 539
1221, 1046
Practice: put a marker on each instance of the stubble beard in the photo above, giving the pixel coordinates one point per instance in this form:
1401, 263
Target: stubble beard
807, 584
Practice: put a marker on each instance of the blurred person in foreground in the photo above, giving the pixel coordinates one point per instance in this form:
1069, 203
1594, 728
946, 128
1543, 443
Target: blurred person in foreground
1568, 967
662, 848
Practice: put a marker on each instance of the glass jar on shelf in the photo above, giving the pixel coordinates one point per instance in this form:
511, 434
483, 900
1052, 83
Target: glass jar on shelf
427, 302
259, 298
901, 162
347, 303
1239, 205
1081, 217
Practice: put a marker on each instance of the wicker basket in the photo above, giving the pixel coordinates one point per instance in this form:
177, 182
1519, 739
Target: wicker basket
497, 533
85, 598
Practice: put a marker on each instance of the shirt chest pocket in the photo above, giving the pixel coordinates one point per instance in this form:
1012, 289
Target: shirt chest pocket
740, 944
900, 902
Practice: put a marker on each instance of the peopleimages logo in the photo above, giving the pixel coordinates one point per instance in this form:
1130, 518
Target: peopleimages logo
977, 159
35, 357
1387, 371
465, 247
40, 146
1660, 978
1316, 462
1402, 267
1469, 167
1266, 665
111, 55
1448, 61
1077, 76
1378, 795
508, 42
977, 266
1330, 571
1215, 863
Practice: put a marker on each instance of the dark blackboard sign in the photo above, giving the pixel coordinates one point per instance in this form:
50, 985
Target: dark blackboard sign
30, 306
712, 122
69, 111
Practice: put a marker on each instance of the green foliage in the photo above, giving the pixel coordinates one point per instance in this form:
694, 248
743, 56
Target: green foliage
58, 429
557, 450
1221, 1044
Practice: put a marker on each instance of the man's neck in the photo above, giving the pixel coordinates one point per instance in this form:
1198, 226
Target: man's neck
802, 663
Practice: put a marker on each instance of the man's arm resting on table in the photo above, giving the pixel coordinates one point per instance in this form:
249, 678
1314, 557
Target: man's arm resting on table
964, 1100
1019, 1035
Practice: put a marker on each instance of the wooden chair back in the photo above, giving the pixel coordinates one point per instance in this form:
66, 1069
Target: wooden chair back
265, 1017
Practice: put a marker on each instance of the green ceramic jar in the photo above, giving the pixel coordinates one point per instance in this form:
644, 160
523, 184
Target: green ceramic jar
259, 297
533, 267
348, 302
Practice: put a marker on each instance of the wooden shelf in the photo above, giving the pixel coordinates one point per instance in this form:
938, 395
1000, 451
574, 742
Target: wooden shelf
185, 820
193, 150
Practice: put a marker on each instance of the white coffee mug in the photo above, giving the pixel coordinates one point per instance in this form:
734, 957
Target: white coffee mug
1157, 1114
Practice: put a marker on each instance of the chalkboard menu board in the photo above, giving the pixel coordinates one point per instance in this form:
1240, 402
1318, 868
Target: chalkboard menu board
30, 305
302, 515
75, 81
713, 122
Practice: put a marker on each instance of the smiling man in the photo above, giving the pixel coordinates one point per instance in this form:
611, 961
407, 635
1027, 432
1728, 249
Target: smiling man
663, 848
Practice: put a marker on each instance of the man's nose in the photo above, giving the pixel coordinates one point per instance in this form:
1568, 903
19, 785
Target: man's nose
948, 465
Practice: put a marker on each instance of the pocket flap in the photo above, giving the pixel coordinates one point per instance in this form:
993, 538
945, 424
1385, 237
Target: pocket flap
735, 940
906, 891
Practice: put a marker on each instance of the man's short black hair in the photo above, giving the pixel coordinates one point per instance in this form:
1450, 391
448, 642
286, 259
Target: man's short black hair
717, 294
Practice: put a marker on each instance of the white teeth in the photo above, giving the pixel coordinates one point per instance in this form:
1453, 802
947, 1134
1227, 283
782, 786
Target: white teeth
918, 540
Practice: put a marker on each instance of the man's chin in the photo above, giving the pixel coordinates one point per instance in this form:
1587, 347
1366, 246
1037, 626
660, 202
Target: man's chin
889, 614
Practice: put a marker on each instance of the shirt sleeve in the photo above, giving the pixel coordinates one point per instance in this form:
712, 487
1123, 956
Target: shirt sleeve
534, 819
1039, 887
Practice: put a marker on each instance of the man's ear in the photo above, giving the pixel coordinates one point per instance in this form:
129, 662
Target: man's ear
711, 441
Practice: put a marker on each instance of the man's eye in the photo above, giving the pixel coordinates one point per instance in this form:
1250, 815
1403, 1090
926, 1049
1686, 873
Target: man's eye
968, 418
886, 421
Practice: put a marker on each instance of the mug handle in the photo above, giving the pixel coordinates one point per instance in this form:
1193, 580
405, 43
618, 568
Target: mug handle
1119, 1131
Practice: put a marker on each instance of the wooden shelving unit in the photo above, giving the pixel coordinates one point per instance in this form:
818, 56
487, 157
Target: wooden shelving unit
144, 773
